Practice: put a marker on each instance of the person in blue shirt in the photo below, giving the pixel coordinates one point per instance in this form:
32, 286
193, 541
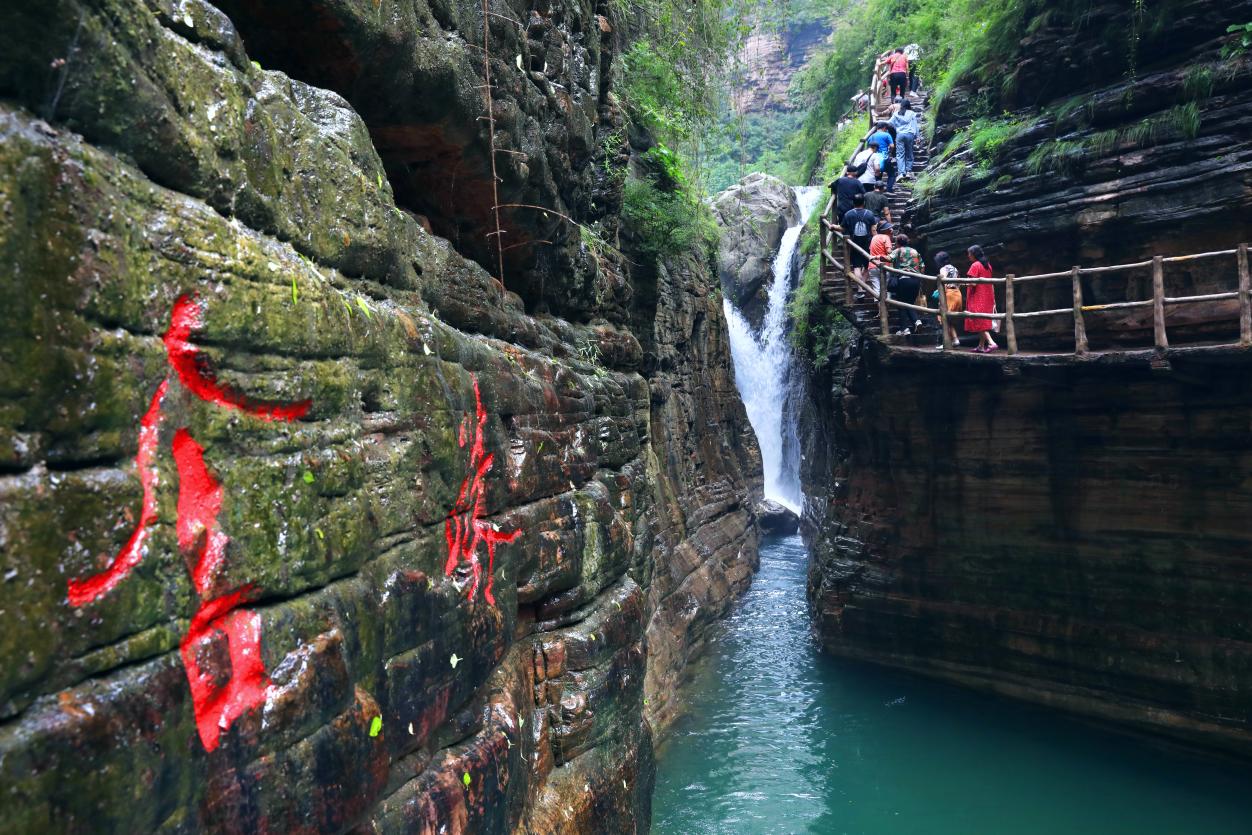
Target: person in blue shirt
883, 143
881, 140
905, 123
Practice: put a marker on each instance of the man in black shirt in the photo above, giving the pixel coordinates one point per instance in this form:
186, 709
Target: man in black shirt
859, 225
878, 202
844, 189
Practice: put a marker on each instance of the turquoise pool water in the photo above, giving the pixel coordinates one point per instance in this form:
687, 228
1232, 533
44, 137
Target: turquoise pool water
781, 739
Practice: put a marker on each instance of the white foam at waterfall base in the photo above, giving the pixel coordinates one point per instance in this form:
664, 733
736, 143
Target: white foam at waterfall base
763, 364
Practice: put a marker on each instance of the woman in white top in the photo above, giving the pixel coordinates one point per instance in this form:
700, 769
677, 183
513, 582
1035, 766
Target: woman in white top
869, 158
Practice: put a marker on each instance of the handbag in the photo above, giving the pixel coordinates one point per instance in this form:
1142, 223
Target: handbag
995, 323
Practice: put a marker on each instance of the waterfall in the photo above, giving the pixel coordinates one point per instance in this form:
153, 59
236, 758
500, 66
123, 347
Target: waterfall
763, 363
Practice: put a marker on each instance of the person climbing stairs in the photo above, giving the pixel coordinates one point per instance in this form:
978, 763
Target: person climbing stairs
864, 308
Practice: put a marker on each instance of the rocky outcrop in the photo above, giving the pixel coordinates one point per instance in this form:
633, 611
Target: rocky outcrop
305, 524
1064, 531
774, 518
708, 475
752, 216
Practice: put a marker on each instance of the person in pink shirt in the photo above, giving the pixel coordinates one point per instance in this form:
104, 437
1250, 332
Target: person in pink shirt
898, 67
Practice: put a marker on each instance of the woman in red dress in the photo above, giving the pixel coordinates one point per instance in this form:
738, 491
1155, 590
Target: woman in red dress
980, 298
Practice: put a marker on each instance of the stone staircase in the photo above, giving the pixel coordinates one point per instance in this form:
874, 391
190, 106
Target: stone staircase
864, 309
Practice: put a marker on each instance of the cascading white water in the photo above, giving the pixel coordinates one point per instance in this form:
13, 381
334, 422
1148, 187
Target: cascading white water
763, 369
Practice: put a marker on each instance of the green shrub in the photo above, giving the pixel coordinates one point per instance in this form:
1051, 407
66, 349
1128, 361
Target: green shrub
818, 329
667, 222
1241, 41
945, 180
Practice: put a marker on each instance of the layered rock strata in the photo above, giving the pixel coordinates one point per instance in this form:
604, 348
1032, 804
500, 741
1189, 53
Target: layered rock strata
305, 524
1065, 531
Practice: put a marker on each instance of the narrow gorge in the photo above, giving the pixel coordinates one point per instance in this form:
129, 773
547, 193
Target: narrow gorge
462, 417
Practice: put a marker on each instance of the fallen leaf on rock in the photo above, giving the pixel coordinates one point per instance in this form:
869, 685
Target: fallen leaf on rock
308, 477
466, 779
455, 660
376, 726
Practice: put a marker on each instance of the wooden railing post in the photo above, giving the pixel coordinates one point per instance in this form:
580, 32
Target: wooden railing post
1010, 334
849, 289
883, 316
824, 247
1080, 328
943, 314
1160, 337
1245, 299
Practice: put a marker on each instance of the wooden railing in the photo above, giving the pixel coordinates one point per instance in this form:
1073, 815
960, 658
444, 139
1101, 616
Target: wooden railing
833, 237
876, 105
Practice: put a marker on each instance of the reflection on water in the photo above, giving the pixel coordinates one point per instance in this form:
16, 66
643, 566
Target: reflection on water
780, 739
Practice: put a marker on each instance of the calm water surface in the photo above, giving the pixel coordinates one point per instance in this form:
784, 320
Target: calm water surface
781, 739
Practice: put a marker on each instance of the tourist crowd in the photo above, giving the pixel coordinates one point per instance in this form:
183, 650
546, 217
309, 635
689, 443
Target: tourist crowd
862, 203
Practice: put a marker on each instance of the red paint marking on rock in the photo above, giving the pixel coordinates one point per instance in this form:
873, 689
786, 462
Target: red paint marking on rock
199, 503
197, 375
218, 697
465, 529
217, 706
82, 592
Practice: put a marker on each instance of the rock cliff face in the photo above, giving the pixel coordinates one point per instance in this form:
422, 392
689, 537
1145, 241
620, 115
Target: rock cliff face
1065, 531
305, 523
769, 60
1062, 531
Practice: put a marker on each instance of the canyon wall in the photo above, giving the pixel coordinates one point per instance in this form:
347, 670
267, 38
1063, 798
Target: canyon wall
307, 522
1070, 532
1064, 530
769, 59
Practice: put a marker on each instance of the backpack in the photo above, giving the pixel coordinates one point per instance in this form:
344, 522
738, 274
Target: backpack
861, 230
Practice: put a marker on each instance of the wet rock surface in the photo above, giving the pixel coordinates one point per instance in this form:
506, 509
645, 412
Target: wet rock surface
775, 518
415, 72
305, 525
1064, 531
752, 216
